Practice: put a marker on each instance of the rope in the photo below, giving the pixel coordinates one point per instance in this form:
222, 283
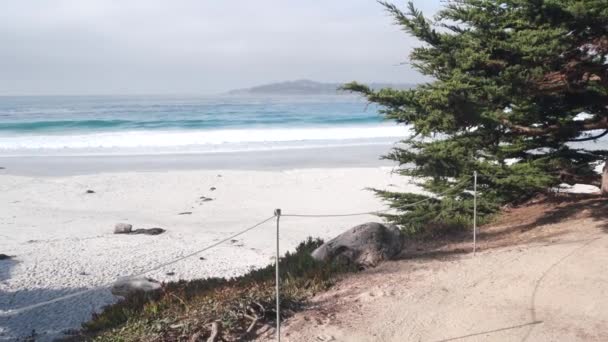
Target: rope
204, 249
14, 312
384, 210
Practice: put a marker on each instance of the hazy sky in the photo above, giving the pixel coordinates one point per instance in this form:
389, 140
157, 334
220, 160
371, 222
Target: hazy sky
196, 46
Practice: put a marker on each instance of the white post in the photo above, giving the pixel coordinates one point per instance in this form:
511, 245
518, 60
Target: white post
277, 213
474, 212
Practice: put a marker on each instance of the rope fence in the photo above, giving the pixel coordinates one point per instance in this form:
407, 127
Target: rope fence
15, 312
277, 215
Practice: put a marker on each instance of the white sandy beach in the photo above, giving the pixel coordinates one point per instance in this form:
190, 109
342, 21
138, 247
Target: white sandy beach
62, 238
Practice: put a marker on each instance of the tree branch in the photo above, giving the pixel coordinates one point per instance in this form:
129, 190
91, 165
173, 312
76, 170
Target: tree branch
591, 138
584, 125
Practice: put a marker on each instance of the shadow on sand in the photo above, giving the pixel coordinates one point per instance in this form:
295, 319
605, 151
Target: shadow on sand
6, 266
520, 227
45, 323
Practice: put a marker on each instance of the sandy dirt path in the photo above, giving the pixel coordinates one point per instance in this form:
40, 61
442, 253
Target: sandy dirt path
541, 276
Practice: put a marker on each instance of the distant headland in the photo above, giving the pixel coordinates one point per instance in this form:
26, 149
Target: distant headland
307, 87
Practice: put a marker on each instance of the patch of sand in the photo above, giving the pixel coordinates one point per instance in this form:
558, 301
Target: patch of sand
541, 275
62, 237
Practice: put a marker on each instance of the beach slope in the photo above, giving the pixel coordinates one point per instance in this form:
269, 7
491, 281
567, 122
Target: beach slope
541, 275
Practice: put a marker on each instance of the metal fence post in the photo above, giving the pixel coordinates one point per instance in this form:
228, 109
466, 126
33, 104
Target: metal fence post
474, 212
277, 213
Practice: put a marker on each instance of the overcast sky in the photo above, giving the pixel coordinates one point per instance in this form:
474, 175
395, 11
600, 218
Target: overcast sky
196, 46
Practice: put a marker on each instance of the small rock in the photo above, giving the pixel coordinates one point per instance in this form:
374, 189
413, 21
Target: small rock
212, 188
148, 231
2, 168
123, 228
219, 175
5, 257
125, 286
206, 199
83, 273
185, 213
170, 273
90, 192
202, 258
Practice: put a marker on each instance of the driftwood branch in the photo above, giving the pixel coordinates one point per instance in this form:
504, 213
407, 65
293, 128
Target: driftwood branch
215, 331
195, 337
253, 317
254, 320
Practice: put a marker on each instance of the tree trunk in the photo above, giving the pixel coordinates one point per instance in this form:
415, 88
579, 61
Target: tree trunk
604, 188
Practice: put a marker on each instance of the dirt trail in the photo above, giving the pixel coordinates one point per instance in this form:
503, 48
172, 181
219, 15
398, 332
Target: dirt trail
541, 275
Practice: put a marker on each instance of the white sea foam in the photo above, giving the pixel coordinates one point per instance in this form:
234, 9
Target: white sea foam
225, 140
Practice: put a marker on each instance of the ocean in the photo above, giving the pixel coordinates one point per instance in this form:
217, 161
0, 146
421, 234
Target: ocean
132, 125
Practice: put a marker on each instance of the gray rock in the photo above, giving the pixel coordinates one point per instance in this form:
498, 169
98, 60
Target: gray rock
90, 191
148, 231
364, 245
5, 257
125, 286
123, 228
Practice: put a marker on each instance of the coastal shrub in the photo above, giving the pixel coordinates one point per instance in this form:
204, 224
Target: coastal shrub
183, 309
514, 88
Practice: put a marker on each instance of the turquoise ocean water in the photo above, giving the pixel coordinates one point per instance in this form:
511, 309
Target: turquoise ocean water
64, 125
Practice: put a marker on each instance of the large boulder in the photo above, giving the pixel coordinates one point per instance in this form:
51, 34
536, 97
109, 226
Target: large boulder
364, 245
125, 286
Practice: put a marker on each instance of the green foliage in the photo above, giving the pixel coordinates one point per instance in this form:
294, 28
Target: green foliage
185, 308
509, 78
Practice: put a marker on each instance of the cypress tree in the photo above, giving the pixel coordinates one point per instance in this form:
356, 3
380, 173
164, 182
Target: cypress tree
517, 86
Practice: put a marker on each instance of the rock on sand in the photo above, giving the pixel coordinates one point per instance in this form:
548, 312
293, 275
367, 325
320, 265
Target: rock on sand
363, 245
122, 228
125, 286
